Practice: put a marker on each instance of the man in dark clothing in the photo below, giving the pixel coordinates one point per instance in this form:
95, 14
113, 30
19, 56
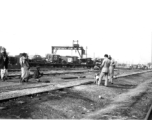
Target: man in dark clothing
4, 64
37, 74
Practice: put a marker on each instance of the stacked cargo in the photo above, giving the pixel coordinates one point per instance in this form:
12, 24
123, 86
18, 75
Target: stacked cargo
89, 61
83, 61
53, 58
75, 59
69, 59
63, 59
48, 58
56, 58
72, 59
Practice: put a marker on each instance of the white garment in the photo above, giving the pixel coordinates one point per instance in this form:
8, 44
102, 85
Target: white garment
22, 72
97, 77
4, 73
22, 60
25, 73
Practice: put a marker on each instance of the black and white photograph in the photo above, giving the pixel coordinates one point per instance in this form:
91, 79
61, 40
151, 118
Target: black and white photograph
76, 59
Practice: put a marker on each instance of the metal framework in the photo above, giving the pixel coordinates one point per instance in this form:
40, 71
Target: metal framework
75, 47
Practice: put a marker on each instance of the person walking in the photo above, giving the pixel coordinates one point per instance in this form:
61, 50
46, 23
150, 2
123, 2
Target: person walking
104, 70
25, 68
4, 64
111, 69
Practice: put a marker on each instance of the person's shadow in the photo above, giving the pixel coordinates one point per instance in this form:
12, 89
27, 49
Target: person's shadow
122, 86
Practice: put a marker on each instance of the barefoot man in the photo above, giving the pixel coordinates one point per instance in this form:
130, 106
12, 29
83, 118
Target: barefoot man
111, 69
104, 70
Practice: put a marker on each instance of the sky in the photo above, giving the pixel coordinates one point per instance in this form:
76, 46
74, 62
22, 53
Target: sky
120, 28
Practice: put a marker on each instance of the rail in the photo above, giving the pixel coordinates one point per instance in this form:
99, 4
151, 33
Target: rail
149, 114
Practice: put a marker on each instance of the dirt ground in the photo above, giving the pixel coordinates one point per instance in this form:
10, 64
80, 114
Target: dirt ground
127, 98
13, 83
132, 103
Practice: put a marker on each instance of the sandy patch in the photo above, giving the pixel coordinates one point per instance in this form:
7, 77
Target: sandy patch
122, 100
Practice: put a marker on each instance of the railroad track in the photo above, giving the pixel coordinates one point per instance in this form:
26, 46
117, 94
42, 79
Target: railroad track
76, 72
149, 114
43, 69
56, 73
14, 94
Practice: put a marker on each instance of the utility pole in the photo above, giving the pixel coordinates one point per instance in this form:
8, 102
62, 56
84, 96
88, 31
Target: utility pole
151, 47
86, 51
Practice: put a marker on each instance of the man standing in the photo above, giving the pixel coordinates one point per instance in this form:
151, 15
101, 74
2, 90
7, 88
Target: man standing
111, 69
25, 73
104, 70
4, 64
21, 61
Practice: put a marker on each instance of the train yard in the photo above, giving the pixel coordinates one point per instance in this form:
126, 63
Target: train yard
84, 60
72, 94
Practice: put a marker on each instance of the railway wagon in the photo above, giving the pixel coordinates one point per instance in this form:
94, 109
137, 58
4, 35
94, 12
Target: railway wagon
37, 58
69, 59
72, 59
54, 61
13, 62
53, 58
63, 59
88, 62
75, 60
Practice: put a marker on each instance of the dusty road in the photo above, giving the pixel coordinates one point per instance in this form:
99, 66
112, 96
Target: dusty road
127, 98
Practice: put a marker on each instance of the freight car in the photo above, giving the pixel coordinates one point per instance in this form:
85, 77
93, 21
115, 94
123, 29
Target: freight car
88, 62
61, 59
55, 61
53, 58
37, 58
64, 61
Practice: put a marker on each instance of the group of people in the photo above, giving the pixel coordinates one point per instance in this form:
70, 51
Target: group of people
25, 67
107, 69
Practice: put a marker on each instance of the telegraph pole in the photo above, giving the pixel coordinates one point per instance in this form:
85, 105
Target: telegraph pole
86, 52
151, 47
94, 55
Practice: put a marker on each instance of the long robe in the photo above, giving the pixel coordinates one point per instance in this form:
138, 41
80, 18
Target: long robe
25, 72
